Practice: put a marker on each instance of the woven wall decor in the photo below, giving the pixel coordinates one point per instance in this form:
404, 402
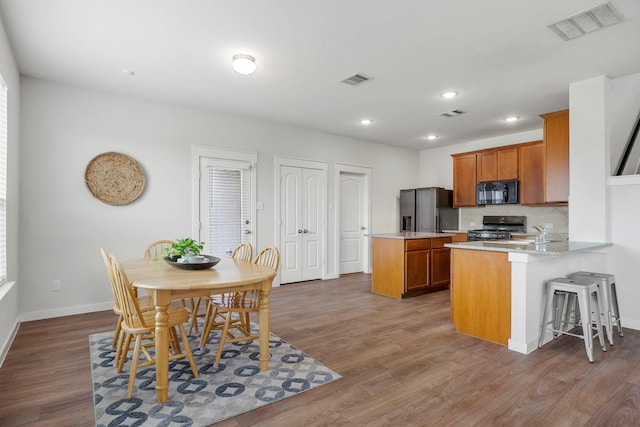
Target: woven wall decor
114, 178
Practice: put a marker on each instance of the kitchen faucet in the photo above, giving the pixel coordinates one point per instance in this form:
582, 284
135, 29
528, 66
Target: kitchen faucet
542, 234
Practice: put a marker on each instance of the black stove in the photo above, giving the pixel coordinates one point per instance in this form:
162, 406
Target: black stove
498, 227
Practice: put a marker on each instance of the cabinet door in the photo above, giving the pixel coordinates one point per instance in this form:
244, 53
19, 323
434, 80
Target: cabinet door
532, 174
487, 166
440, 266
556, 143
464, 180
416, 270
508, 164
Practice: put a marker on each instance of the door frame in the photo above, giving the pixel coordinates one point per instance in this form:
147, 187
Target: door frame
199, 152
365, 172
280, 161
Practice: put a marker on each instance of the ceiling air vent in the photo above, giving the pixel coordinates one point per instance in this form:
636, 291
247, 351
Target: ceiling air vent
452, 113
356, 79
587, 22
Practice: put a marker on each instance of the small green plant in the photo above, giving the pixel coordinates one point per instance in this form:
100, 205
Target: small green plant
182, 248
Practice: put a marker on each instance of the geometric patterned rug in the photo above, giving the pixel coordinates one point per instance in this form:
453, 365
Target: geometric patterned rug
235, 386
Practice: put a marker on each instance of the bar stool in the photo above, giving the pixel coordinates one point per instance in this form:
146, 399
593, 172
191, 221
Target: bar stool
587, 293
611, 312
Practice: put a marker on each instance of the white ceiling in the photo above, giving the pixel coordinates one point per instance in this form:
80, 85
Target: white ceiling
499, 55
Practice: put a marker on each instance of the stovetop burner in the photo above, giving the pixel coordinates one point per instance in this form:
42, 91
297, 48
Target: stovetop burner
498, 227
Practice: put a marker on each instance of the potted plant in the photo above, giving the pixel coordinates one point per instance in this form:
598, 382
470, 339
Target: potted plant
183, 248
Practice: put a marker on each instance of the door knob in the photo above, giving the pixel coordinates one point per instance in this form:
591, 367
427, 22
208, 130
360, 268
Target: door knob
247, 231
299, 230
305, 231
363, 228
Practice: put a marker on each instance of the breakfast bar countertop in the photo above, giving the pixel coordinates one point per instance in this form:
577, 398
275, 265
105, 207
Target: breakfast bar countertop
406, 235
553, 248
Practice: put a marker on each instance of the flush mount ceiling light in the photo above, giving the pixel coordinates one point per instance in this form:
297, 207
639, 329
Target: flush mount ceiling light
431, 137
587, 22
448, 95
365, 122
244, 64
511, 119
128, 72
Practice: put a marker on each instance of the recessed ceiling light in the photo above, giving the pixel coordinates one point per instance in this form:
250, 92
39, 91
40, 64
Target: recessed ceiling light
448, 95
244, 64
431, 137
127, 72
511, 119
365, 122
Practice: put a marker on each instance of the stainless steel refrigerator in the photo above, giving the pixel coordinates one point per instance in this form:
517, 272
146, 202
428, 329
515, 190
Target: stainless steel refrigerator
427, 209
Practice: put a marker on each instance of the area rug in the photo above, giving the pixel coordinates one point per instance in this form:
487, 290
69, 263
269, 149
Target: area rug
235, 386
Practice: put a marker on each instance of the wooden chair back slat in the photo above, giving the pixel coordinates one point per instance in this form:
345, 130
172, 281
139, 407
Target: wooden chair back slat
243, 252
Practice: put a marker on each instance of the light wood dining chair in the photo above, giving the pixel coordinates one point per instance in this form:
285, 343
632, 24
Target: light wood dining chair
141, 325
236, 307
242, 252
145, 304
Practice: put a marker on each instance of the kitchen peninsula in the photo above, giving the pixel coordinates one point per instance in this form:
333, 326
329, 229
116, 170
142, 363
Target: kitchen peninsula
410, 263
497, 287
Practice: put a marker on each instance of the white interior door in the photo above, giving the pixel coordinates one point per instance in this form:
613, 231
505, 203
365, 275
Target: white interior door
301, 191
352, 223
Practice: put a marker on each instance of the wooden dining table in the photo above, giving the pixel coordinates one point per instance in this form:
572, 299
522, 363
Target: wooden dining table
165, 283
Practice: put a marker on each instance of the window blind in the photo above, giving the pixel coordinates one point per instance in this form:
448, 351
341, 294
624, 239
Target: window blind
228, 208
3, 180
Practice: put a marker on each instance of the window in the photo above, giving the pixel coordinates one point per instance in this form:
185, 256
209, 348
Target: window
226, 198
3, 180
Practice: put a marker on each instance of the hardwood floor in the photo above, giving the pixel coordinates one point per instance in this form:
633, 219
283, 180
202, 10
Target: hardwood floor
401, 360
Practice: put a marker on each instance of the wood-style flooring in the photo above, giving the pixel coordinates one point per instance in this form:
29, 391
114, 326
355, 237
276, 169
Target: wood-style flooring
401, 360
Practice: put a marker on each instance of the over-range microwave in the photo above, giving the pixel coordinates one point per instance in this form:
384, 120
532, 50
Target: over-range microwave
497, 193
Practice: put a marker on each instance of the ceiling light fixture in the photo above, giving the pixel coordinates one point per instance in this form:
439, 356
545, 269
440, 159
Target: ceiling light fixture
432, 137
244, 64
127, 72
448, 95
365, 122
511, 119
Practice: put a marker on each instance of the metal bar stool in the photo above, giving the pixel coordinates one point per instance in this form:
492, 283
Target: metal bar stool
611, 312
587, 292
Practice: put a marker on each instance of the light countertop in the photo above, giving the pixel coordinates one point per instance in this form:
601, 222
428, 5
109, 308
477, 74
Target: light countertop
554, 248
406, 235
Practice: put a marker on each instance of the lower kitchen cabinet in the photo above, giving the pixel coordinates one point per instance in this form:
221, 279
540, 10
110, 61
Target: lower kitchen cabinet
404, 267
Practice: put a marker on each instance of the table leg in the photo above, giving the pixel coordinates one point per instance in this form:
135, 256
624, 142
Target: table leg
263, 319
162, 301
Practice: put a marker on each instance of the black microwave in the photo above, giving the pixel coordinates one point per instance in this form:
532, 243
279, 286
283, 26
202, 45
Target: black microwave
497, 193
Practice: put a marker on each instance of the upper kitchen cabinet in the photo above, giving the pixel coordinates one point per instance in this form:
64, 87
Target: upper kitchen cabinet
556, 150
464, 180
532, 173
497, 165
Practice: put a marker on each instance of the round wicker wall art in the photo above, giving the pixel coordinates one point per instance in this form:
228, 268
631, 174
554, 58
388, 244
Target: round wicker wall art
114, 178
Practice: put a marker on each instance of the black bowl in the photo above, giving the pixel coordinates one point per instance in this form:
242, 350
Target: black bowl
210, 262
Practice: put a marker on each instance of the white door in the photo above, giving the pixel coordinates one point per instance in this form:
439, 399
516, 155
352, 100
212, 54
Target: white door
301, 192
352, 223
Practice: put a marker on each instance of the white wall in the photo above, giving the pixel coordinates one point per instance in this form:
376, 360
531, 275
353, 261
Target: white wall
9, 292
63, 225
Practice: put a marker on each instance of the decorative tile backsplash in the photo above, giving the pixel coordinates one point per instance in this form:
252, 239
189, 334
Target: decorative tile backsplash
536, 215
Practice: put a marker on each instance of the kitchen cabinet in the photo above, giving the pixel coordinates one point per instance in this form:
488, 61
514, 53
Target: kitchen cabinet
405, 267
532, 173
556, 151
464, 180
497, 165
481, 294
440, 262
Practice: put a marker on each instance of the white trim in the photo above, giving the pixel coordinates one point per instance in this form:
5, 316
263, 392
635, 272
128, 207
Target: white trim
623, 180
366, 173
199, 152
66, 311
280, 161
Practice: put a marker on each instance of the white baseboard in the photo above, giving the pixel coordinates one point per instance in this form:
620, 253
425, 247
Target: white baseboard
7, 344
65, 311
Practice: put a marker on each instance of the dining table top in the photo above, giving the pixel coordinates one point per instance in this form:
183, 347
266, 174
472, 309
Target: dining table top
156, 274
